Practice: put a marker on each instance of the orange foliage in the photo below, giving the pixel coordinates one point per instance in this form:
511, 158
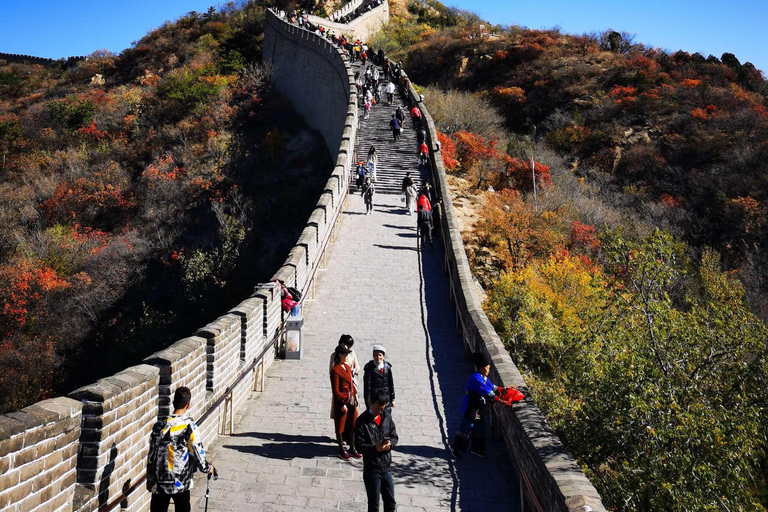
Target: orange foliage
690, 83
700, 113
644, 64
163, 170
623, 94
509, 94
102, 192
25, 285
753, 213
472, 148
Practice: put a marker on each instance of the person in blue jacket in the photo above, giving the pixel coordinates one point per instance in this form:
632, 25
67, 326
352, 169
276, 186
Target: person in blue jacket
480, 390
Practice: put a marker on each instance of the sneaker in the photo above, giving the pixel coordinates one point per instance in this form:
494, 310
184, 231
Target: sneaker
355, 454
343, 455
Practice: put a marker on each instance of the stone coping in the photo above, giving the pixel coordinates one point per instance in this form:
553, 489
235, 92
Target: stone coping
550, 477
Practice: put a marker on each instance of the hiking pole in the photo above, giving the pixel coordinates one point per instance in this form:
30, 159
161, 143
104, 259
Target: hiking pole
208, 486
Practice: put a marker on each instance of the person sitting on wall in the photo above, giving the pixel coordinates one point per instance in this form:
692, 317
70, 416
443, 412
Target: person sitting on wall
175, 453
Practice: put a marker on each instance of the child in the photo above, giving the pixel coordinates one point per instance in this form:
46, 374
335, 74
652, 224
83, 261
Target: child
480, 390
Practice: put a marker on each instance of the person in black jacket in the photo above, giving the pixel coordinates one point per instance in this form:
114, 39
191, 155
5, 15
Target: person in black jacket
375, 437
377, 374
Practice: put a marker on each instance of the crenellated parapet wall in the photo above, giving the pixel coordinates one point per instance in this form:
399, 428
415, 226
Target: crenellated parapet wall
346, 9
38, 456
362, 27
15, 58
87, 452
549, 478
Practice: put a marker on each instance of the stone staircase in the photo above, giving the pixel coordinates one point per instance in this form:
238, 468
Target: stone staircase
395, 159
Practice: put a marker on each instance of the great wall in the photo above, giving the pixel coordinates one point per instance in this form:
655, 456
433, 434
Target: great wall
87, 451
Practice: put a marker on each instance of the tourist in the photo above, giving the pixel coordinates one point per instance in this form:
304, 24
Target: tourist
377, 374
423, 154
368, 191
344, 402
426, 189
373, 162
424, 222
175, 453
390, 90
437, 216
348, 341
396, 128
480, 390
400, 115
407, 184
376, 436
410, 198
415, 117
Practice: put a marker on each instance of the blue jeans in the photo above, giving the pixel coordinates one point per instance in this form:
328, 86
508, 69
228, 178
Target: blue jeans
380, 484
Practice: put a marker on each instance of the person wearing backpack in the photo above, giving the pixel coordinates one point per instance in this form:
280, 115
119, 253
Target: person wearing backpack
175, 453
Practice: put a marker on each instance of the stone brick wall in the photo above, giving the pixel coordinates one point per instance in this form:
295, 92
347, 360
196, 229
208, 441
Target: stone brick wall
311, 72
38, 454
118, 414
185, 363
550, 479
88, 452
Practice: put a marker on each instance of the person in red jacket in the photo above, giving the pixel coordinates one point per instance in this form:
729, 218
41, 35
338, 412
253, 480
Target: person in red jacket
415, 116
344, 402
423, 203
423, 153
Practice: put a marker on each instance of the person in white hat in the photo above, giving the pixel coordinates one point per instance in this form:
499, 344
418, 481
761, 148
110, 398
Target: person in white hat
377, 374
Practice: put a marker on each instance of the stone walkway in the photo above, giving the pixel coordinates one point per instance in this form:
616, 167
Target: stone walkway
380, 288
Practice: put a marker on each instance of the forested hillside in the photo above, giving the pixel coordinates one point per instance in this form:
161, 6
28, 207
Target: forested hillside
630, 287
141, 195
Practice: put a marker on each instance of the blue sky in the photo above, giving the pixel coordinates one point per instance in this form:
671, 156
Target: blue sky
49, 28
704, 26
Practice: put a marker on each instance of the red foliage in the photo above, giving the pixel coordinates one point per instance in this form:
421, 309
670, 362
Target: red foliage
163, 170
100, 193
670, 201
520, 170
25, 285
623, 94
472, 148
448, 150
584, 235
91, 131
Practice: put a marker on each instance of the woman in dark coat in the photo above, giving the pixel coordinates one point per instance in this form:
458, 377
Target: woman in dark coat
344, 402
377, 374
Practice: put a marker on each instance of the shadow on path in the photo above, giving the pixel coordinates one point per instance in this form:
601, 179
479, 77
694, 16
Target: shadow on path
448, 373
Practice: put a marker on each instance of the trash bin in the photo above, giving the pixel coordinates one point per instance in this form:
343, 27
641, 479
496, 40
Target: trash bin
293, 337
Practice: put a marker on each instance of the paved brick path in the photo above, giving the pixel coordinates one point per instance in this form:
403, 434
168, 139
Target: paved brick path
381, 289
